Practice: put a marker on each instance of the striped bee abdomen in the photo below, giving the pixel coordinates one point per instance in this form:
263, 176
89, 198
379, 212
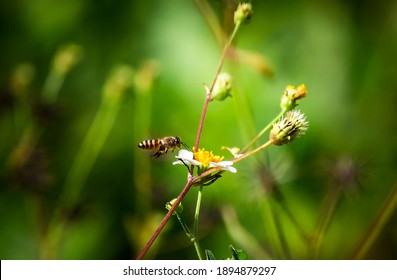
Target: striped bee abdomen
152, 144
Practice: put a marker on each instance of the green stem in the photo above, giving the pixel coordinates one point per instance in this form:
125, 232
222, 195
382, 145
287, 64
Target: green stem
82, 165
271, 225
184, 226
90, 149
331, 201
294, 220
263, 131
380, 221
95, 138
52, 86
196, 224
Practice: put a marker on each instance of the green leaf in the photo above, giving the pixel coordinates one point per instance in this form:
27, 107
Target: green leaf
209, 255
237, 254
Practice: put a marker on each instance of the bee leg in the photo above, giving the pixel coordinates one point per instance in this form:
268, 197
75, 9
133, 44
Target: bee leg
157, 154
163, 150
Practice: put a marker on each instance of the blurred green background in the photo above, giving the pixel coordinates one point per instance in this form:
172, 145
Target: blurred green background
74, 185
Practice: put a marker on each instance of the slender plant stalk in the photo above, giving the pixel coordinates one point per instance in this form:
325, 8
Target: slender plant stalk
142, 113
209, 91
285, 250
192, 179
241, 235
271, 225
331, 201
196, 224
81, 167
294, 221
52, 86
263, 131
378, 224
165, 219
267, 144
89, 150
211, 18
94, 140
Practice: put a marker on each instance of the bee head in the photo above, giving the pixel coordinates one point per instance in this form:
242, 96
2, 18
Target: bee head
179, 143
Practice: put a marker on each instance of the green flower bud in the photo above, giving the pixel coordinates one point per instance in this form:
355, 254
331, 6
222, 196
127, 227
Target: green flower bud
178, 209
243, 13
66, 58
291, 96
223, 87
292, 126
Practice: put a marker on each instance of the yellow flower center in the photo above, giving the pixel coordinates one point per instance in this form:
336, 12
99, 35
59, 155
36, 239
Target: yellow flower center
206, 157
296, 93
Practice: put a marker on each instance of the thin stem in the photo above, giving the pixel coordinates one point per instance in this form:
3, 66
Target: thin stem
52, 86
196, 220
162, 224
270, 222
267, 144
184, 226
197, 212
211, 19
90, 149
263, 131
327, 213
191, 236
201, 124
92, 145
209, 91
294, 221
380, 221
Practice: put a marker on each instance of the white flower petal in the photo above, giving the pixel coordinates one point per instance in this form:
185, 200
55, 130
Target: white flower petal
185, 156
226, 165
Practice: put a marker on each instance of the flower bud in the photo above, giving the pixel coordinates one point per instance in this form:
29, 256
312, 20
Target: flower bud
66, 58
292, 126
243, 13
223, 87
291, 96
178, 209
118, 82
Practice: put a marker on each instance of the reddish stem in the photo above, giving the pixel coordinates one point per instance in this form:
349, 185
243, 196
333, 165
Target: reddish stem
165, 219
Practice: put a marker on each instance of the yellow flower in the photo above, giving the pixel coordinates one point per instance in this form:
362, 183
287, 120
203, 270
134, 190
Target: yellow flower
204, 160
205, 157
291, 96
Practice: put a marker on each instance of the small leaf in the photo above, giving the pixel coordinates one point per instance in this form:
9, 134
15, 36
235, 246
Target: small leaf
237, 254
210, 256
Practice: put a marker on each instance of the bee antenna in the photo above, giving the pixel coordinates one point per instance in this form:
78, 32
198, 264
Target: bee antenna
184, 145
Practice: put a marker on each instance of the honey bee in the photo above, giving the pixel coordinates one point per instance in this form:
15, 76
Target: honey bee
162, 146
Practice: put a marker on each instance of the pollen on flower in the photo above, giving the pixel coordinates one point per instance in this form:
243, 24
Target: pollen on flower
205, 157
296, 93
